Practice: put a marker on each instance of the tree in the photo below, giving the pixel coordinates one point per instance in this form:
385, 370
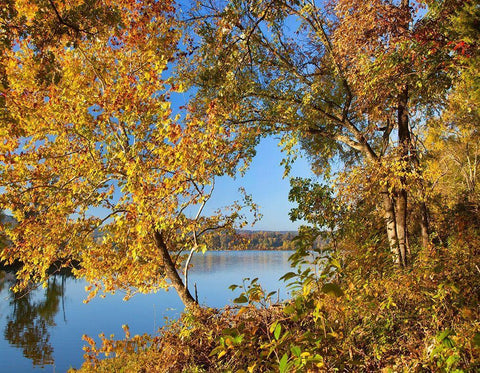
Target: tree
345, 79
452, 161
96, 169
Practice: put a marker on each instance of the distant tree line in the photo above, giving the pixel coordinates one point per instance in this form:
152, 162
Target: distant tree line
253, 240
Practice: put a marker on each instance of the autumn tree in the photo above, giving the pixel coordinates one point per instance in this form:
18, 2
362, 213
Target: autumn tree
452, 140
94, 166
350, 81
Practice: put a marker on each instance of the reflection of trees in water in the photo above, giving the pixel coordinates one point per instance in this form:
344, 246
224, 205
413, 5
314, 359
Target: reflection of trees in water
215, 260
27, 326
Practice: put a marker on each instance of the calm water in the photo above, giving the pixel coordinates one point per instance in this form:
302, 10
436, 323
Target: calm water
43, 330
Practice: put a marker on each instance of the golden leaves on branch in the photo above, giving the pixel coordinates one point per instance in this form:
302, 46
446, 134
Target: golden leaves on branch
364, 181
93, 161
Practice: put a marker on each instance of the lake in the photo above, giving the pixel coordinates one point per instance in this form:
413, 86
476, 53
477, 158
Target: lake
42, 331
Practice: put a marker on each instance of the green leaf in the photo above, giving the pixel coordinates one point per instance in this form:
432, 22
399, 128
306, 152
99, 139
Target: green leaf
332, 289
216, 350
296, 351
444, 338
441, 336
271, 294
277, 331
241, 299
282, 367
289, 309
238, 339
287, 276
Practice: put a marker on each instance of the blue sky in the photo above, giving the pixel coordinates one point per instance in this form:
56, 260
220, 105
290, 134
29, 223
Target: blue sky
264, 181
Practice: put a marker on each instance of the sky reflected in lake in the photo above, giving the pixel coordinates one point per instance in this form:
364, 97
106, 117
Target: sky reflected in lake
42, 330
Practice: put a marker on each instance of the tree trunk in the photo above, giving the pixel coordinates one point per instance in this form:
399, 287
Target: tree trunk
401, 202
390, 221
401, 225
172, 273
424, 226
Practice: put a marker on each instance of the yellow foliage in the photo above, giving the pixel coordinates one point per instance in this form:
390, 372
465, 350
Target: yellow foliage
93, 160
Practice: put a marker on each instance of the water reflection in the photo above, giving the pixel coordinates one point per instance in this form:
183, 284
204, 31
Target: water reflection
220, 260
46, 325
28, 324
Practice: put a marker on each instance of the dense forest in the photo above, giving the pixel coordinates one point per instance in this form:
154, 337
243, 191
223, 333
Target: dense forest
383, 96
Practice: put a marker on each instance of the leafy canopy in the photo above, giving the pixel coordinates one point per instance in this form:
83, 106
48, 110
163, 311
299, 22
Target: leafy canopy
92, 160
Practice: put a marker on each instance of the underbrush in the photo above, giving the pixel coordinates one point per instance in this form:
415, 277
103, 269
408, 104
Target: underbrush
359, 313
